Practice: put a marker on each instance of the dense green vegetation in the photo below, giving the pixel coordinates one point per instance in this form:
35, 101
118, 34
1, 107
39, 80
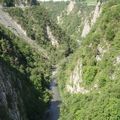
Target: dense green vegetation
73, 22
12, 3
99, 55
35, 21
28, 67
102, 102
91, 2
55, 8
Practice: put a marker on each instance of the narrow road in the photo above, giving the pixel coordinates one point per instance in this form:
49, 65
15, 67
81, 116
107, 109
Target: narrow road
9, 23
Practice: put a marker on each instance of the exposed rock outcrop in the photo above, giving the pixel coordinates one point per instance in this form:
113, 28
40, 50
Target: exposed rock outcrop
88, 24
74, 84
101, 50
54, 41
118, 59
59, 19
70, 7
97, 12
86, 28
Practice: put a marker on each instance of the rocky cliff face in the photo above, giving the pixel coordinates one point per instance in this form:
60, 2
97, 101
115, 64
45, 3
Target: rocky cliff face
70, 7
75, 17
11, 103
94, 67
86, 28
89, 23
74, 84
52, 38
75, 80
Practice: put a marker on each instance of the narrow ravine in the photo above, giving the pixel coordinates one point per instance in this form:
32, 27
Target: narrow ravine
54, 109
55, 102
8, 22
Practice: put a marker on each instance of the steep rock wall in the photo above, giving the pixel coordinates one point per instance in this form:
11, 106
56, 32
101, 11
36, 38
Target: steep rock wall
74, 85
70, 7
76, 79
86, 28
52, 38
11, 104
89, 23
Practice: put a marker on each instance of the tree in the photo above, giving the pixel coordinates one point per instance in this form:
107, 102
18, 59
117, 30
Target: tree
8, 3
32, 2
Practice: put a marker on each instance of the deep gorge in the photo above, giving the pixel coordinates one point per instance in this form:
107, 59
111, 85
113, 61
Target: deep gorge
59, 60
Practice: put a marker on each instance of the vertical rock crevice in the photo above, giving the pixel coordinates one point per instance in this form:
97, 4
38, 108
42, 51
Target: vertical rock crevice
89, 23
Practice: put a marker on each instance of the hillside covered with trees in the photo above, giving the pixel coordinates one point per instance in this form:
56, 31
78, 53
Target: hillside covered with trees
28, 71
85, 69
12, 3
90, 82
28, 74
71, 16
35, 22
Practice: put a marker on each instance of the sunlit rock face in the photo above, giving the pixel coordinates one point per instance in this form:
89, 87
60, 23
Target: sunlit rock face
89, 23
76, 79
86, 28
70, 6
74, 84
52, 38
97, 12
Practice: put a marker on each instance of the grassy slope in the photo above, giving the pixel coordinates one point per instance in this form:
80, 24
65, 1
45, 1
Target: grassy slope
103, 103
